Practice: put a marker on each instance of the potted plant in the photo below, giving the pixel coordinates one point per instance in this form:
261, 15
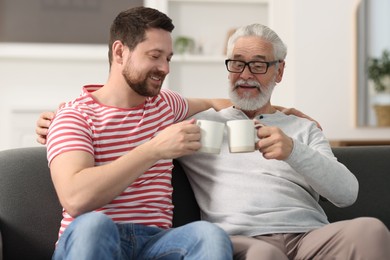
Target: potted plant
379, 74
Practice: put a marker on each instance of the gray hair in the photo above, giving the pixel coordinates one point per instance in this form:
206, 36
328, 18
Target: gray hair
262, 31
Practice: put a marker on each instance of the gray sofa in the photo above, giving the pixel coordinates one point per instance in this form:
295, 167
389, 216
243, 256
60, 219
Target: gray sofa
30, 213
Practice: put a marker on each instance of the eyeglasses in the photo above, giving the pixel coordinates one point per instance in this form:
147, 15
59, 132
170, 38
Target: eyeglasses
255, 67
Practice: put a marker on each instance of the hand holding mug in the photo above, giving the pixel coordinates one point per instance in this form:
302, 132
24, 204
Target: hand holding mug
274, 143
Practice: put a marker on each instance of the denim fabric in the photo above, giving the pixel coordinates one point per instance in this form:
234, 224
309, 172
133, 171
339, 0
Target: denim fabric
95, 236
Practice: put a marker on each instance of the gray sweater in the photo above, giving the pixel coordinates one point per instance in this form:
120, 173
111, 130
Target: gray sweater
246, 194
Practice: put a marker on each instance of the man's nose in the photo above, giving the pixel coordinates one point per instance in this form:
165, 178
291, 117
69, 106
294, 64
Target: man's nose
246, 73
164, 67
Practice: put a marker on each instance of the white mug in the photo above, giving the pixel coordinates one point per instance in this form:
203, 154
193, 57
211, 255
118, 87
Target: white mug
242, 135
211, 136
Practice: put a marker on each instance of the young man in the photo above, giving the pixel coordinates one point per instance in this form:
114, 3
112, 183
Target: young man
267, 201
110, 155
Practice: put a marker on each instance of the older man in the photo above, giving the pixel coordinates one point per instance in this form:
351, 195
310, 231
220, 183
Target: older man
267, 200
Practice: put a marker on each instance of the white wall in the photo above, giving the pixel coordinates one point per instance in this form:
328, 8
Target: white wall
319, 78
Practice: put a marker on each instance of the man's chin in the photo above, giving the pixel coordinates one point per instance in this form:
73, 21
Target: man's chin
154, 93
246, 104
248, 107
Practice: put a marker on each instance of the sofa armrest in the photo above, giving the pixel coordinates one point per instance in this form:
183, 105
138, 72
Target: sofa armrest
370, 165
30, 211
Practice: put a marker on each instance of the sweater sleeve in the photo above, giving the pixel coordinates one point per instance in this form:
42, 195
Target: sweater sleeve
321, 170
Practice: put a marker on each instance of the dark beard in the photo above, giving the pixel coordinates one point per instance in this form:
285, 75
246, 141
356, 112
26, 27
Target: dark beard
140, 86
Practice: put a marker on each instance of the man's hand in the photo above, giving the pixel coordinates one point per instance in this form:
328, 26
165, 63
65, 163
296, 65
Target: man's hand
296, 112
177, 140
274, 143
42, 126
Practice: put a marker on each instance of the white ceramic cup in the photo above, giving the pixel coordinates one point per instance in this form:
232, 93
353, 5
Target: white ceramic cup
211, 136
242, 135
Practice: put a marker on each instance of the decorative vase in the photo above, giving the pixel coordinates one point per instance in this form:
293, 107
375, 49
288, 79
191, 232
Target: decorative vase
381, 106
382, 115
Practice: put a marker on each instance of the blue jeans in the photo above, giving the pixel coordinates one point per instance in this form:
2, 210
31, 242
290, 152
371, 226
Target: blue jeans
95, 236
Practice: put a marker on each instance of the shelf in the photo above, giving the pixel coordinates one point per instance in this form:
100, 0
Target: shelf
208, 23
198, 58
53, 51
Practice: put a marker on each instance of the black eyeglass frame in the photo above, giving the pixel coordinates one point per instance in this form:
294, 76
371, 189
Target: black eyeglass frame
268, 63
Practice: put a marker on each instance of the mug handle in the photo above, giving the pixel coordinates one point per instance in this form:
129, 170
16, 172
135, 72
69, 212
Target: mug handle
257, 126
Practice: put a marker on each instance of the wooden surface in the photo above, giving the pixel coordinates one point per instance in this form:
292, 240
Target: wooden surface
339, 143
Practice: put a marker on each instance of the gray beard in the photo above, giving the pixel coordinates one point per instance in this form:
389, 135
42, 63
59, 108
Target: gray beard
248, 103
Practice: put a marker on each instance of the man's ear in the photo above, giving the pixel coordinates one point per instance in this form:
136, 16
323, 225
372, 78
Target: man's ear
281, 67
117, 52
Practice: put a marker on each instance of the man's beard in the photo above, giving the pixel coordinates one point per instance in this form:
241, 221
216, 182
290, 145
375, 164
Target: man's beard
248, 103
138, 83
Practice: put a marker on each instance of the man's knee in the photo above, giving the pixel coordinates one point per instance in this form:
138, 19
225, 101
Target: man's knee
368, 227
368, 235
92, 224
208, 231
207, 241
374, 229
93, 219
372, 237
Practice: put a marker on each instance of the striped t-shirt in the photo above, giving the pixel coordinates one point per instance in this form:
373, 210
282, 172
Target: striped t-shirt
108, 133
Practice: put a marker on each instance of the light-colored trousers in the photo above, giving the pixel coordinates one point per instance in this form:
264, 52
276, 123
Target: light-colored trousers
361, 238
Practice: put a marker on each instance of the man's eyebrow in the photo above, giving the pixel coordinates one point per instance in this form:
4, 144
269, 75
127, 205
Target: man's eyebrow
255, 57
159, 51
154, 50
261, 57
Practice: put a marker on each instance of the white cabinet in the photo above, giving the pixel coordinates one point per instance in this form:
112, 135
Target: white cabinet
207, 22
